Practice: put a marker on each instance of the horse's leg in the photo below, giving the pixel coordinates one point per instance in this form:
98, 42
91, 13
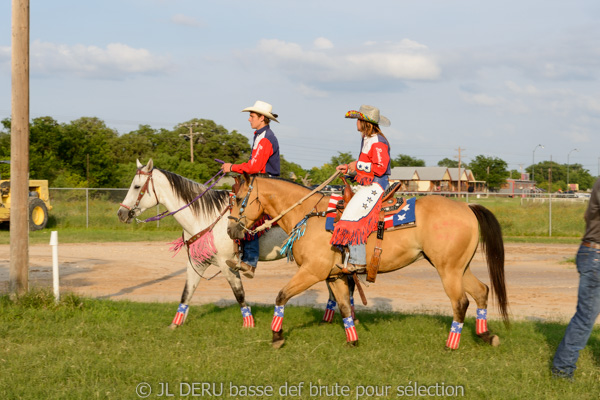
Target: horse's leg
238, 291
191, 283
453, 285
330, 308
302, 280
331, 303
340, 288
479, 291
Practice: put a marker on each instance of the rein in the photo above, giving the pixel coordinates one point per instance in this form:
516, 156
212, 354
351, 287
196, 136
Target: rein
267, 224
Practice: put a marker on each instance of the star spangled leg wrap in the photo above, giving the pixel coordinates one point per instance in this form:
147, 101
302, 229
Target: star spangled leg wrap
352, 307
181, 315
277, 319
248, 317
329, 311
351, 335
481, 326
454, 336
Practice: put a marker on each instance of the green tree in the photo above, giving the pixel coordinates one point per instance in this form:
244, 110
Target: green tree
491, 169
448, 163
403, 160
292, 171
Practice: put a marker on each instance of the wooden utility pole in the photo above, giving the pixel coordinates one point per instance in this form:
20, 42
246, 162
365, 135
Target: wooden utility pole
19, 150
191, 137
459, 164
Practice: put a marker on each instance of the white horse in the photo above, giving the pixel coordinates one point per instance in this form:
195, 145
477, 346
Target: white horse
152, 186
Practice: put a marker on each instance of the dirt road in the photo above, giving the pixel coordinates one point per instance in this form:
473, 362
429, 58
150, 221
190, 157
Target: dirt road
540, 284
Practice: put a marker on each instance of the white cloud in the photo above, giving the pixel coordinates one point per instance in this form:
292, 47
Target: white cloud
182, 19
527, 89
404, 60
323, 43
115, 61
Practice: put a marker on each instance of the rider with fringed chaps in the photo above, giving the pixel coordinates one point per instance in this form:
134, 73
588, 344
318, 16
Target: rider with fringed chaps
372, 170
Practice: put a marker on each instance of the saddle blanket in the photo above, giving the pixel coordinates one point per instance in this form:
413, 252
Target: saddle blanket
404, 218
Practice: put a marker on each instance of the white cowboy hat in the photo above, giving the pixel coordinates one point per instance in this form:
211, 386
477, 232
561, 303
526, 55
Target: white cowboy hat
260, 107
369, 114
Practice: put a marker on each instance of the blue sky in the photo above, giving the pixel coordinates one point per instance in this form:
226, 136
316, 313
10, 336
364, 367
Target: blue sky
491, 78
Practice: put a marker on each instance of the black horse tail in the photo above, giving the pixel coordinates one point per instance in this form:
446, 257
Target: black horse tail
493, 247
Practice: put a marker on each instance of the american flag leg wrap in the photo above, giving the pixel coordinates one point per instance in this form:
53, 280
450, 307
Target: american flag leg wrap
454, 336
277, 319
352, 308
248, 317
181, 314
351, 335
481, 326
329, 311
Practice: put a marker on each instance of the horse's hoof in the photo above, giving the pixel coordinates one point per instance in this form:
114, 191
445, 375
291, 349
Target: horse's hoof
278, 339
356, 322
353, 343
495, 341
323, 322
173, 327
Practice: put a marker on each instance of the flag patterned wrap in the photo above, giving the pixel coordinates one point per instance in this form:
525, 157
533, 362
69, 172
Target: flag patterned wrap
454, 336
351, 335
481, 326
329, 311
352, 307
182, 311
248, 317
277, 319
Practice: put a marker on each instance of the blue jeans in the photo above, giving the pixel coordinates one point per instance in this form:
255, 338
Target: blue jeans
250, 250
357, 254
588, 307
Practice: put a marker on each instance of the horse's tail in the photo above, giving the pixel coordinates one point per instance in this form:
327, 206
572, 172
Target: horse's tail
493, 247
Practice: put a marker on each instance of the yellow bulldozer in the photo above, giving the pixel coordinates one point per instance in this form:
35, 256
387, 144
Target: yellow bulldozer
39, 203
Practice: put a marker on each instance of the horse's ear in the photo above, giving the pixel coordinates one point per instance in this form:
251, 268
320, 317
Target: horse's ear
236, 185
150, 165
247, 178
139, 164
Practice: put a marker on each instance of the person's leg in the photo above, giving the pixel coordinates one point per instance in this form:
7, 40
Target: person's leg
588, 307
250, 257
357, 257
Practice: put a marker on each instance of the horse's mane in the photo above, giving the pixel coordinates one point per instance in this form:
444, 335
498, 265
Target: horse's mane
187, 190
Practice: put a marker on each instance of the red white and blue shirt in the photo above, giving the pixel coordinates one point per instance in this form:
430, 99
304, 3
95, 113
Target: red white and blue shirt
265, 155
373, 163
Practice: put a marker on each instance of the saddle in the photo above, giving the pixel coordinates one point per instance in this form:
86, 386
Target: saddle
389, 206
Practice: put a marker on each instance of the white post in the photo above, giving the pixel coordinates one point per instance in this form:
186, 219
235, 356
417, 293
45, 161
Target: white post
54, 244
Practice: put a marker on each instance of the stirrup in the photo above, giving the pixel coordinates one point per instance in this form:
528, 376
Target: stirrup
352, 268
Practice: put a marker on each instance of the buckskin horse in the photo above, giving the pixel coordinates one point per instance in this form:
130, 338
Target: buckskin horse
151, 186
446, 234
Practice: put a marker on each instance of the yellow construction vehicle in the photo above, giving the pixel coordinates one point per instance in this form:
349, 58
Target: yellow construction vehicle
39, 203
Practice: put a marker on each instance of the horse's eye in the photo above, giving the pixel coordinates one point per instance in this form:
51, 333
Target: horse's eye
137, 187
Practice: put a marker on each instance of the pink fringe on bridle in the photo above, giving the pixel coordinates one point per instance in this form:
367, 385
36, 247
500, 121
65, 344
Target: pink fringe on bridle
199, 251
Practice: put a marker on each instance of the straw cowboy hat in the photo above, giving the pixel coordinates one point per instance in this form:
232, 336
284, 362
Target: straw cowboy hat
262, 108
369, 114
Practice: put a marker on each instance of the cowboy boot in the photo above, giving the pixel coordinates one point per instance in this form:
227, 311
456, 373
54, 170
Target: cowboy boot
247, 270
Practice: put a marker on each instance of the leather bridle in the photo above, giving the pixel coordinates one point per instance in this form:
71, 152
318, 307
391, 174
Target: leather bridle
143, 191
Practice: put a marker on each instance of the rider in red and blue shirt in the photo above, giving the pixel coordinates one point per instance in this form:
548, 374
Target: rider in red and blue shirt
263, 160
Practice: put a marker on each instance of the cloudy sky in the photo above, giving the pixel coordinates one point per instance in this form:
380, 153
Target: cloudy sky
493, 78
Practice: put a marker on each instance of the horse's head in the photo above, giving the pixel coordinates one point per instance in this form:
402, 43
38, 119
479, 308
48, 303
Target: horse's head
246, 208
140, 196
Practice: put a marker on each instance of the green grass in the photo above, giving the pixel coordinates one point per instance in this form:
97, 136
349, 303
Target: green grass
97, 349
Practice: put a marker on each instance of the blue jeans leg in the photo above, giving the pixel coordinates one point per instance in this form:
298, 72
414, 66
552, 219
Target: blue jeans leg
588, 307
358, 254
250, 250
